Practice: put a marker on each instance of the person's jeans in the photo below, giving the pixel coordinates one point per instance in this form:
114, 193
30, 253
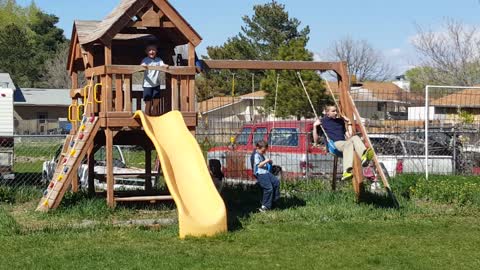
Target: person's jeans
271, 188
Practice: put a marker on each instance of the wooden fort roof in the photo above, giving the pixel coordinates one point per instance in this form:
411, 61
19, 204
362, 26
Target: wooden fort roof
124, 23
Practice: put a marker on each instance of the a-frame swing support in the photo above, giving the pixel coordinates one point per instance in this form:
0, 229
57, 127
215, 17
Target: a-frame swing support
346, 102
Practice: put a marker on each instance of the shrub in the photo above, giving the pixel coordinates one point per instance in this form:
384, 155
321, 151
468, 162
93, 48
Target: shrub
449, 189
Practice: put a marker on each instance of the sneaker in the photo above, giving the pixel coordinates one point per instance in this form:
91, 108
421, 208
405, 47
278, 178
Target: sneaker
263, 209
347, 175
367, 157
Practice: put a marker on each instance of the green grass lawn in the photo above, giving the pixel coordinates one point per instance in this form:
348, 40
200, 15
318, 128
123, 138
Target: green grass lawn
312, 229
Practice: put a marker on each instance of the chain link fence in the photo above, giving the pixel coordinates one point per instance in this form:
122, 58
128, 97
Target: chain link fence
228, 129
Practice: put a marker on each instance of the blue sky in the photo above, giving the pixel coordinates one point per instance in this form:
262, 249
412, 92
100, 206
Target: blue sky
388, 25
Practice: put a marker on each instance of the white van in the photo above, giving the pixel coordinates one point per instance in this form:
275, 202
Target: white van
6, 129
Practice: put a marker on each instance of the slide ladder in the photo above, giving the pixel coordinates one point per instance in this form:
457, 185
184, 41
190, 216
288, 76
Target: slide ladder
74, 150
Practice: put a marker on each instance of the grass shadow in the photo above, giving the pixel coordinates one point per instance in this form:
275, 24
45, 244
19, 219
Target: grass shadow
381, 199
242, 201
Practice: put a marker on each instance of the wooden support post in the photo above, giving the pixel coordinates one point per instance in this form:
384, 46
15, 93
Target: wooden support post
175, 93
334, 173
91, 171
103, 105
118, 93
191, 55
127, 80
108, 79
109, 167
183, 93
148, 168
344, 86
191, 94
74, 78
73, 130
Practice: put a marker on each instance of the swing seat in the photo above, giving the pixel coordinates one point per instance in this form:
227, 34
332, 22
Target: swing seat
333, 149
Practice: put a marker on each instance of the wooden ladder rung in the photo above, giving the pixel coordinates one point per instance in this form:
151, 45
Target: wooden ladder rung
144, 198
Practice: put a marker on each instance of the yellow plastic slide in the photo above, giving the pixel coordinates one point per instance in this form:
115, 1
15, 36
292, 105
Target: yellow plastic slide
201, 210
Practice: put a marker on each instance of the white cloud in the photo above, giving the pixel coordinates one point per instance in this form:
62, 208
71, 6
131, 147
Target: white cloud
317, 57
393, 52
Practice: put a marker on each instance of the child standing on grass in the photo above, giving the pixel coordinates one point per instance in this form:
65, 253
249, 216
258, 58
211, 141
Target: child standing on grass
267, 181
152, 80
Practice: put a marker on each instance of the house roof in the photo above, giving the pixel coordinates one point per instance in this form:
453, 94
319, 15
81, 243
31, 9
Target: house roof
379, 92
42, 97
6, 81
220, 102
255, 95
109, 27
466, 98
216, 103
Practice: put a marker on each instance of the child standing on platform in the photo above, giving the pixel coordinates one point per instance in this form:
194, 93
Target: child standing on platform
153, 81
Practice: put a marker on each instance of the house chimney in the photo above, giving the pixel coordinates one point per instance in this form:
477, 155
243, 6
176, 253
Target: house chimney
401, 82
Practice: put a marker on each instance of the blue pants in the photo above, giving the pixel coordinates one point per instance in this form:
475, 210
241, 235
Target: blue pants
150, 93
271, 188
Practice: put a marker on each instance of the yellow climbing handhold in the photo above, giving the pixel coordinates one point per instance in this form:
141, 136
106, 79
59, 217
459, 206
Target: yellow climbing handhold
73, 152
82, 127
60, 178
45, 203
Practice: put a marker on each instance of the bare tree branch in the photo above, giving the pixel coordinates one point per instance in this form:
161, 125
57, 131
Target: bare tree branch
364, 61
452, 54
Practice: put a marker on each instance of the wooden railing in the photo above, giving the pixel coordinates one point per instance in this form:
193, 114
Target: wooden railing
109, 92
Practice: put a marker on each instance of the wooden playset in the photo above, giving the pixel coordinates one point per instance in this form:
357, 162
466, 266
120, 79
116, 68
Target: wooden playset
102, 113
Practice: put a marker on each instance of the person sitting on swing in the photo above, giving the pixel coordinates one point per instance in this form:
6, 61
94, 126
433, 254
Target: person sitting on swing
343, 139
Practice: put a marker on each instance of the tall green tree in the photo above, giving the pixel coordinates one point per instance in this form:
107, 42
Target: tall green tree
41, 41
264, 32
16, 54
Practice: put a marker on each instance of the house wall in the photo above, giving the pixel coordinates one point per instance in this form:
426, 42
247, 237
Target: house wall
451, 115
38, 119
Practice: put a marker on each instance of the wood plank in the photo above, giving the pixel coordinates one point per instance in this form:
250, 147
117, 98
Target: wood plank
175, 94
127, 80
95, 71
109, 93
347, 110
183, 93
109, 167
74, 78
118, 115
144, 198
130, 69
118, 93
191, 54
334, 173
73, 164
122, 122
191, 94
273, 65
76, 93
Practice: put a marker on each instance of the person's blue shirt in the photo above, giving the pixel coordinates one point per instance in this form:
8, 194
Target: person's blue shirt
335, 128
259, 158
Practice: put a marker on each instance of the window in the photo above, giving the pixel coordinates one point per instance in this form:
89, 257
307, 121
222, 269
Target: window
381, 106
259, 134
283, 137
242, 138
42, 117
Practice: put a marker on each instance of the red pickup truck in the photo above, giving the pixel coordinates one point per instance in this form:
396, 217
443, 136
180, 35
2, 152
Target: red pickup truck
290, 147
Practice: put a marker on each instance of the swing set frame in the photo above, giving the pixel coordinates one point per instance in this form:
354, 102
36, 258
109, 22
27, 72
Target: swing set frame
345, 102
